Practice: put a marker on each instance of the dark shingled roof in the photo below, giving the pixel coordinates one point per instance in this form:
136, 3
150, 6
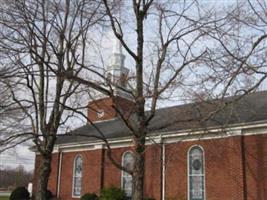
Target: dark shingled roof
232, 110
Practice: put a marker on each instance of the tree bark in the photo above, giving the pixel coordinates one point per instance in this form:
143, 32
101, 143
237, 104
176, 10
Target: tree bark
139, 169
44, 173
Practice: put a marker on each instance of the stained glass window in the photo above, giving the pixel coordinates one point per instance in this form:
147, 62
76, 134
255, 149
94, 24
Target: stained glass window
77, 176
126, 183
196, 174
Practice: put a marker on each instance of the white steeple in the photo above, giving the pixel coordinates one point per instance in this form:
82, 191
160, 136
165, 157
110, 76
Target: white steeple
117, 73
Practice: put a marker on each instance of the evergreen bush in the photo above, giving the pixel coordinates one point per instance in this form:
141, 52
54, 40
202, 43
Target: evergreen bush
20, 193
89, 196
49, 194
113, 193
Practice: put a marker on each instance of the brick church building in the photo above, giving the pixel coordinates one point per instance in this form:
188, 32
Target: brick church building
224, 157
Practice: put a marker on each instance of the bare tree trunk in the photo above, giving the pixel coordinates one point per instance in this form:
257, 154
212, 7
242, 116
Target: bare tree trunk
139, 169
44, 173
45, 165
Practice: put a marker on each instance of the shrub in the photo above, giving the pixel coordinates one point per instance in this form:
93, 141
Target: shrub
20, 193
89, 196
112, 193
49, 194
177, 198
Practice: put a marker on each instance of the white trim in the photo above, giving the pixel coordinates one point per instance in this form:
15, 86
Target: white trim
254, 131
104, 120
205, 135
115, 143
76, 149
99, 146
163, 171
169, 137
188, 170
73, 173
59, 174
254, 128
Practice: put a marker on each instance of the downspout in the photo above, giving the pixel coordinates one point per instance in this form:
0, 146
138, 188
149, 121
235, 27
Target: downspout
243, 163
59, 173
102, 168
162, 182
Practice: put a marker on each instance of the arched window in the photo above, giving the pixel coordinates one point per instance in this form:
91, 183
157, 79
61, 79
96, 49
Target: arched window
77, 176
126, 179
196, 174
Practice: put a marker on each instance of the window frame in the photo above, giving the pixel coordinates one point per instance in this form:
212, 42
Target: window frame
73, 175
123, 172
188, 170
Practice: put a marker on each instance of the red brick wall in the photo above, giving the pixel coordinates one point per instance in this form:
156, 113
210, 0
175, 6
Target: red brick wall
152, 187
112, 175
126, 107
52, 184
91, 172
102, 104
152, 170
223, 169
256, 167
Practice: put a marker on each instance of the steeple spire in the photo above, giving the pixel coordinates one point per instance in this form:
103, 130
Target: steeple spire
117, 58
117, 73
117, 48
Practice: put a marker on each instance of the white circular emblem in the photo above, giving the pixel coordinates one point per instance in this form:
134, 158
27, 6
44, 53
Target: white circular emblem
100, 113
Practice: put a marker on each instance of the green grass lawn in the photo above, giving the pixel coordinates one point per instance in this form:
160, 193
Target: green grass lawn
4, 198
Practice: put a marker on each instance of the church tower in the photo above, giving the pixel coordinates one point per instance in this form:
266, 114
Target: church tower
116, 74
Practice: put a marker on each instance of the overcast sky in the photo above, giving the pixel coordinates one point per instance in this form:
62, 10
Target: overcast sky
20, 155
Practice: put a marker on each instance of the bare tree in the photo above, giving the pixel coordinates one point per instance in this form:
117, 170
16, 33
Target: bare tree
180, 48
11, 178
166, 45
238, 58
39, 40
169, 46
10, 115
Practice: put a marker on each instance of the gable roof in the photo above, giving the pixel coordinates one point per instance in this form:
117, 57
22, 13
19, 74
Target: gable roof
229, 111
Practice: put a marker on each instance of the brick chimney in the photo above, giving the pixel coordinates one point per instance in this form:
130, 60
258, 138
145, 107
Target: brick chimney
107, 108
